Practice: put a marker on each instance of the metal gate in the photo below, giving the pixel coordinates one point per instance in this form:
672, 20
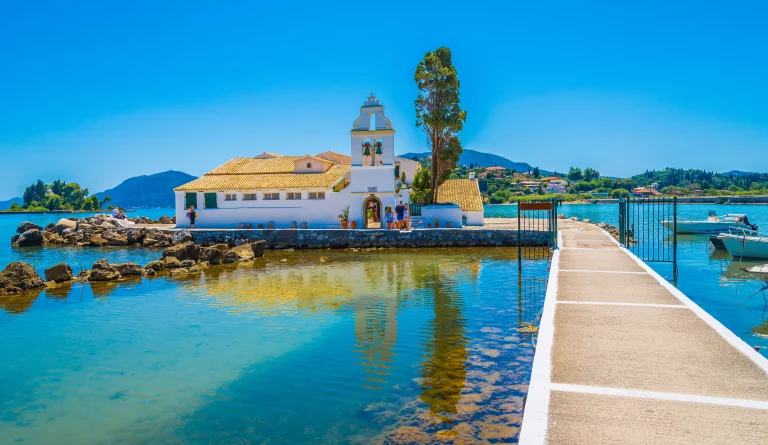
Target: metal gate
648, 229
536, 229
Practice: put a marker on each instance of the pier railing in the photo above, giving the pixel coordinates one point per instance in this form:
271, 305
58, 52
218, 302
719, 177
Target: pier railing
534, 217
648, 228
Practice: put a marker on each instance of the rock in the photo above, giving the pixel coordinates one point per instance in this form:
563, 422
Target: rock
561, 216
211, 255
244, 252
148, 272
222, 247
59, 273
65, 223
182, 236
136, 236
103, 271
195, 269
229, 257
32, 237
50, 228
586, 221
26, 225
51, 284
179, 272
52, 238
83, 276
172, 262
187, 263
19, 276
97, 241
128, 269
149, 242
165, 220
204, 264
15, 238
157, 266
258, 248
573, 218
184, 251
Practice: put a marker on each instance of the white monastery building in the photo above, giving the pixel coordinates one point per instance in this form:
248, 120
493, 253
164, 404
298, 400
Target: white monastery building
275, 191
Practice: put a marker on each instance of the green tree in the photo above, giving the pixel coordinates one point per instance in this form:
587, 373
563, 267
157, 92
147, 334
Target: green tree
422, 193
536, 172
439, 113
53, 202
590, 174
619, 193
574, 174
57, 187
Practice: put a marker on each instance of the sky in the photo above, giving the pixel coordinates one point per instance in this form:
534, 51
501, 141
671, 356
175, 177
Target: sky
97, 92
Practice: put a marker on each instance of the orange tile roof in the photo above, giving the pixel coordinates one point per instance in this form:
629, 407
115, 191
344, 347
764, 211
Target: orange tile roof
463, 192
271, 181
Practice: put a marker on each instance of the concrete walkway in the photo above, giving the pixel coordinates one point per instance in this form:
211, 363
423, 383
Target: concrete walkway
623, 357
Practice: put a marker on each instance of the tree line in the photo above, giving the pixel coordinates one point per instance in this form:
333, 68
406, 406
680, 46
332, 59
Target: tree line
58, 195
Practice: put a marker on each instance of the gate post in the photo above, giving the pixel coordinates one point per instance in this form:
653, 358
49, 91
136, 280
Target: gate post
519, 240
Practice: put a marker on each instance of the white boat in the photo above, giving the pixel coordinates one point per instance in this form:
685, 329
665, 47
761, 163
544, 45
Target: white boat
747, 244
713, 224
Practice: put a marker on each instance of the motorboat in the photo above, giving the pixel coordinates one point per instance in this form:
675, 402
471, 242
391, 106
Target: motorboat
713, 224
745, 243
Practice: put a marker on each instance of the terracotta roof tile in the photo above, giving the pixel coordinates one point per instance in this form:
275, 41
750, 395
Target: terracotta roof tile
463, 192
273, 181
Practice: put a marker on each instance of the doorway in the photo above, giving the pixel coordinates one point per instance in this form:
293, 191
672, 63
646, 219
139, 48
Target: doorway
372, 213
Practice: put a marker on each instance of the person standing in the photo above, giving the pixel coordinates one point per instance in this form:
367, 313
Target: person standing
390, 218
191, 214
407, 217
400, 212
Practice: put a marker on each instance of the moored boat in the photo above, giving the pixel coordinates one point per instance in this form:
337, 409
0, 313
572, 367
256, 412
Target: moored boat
713, 224
747, 244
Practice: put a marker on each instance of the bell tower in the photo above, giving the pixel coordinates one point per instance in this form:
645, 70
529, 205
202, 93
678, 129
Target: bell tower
373, 138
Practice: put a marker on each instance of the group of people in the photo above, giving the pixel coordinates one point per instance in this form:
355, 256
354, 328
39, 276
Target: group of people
399, 218
118, 213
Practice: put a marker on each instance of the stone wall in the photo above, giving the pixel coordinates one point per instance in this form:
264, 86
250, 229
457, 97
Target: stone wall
340, 239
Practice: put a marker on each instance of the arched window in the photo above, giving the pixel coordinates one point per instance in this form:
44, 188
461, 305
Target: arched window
372, 122
378, 144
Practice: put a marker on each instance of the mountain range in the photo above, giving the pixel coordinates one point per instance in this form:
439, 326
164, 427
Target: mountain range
148, 190
480, 159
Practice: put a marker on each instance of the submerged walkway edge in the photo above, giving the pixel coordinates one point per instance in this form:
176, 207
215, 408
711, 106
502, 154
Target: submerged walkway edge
625, 357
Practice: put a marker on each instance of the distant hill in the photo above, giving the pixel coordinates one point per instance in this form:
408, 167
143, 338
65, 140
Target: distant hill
5, 205
147, 191
738, 173
480, 159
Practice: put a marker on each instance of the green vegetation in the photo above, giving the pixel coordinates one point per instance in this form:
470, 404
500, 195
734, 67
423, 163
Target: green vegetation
41, 197
701, 182
439, 113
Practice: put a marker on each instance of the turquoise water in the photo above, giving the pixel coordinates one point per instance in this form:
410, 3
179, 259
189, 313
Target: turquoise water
712, 279
389, 346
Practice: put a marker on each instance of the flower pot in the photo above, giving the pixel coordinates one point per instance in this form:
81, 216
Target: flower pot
437, 225
344, 224
354, 225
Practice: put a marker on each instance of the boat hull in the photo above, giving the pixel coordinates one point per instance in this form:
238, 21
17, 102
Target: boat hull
746, 246
695, 227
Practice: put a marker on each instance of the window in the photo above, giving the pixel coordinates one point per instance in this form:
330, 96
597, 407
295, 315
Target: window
271, 196
372, 122
316, 195
293, 195
230, 197
190, 199
309, 165
249, 196
210, 201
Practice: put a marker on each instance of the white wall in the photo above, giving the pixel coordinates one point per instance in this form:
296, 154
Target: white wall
409, 166
474, 218
445, 213
382, 177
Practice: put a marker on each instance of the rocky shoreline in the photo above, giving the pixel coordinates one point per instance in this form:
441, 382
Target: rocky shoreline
95, 231
182, 259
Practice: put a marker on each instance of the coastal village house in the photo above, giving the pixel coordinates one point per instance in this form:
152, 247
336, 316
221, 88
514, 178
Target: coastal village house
271, 190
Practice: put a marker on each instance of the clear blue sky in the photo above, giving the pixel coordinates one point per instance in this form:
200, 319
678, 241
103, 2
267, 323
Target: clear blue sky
96, 92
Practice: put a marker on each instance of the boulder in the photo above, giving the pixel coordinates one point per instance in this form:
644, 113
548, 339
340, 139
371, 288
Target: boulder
65, 223
149, 242
136, 236
182, 236
97, 241
183, 251
229, 257
128, 269
172, 262
19, 276
52, 238
222, 247
244, 252
50, 228
26, 225
32, 237
15, 238
258, 248
157, 266
165, 220
148, 272
195, 269
83, 276
179, 272
103, 271
211, 255
187, 263
59, 273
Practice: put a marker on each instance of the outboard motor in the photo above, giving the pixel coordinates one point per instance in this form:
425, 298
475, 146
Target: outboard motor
744, 220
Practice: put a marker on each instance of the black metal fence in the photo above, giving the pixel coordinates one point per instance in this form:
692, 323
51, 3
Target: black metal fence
536, 228
648, 228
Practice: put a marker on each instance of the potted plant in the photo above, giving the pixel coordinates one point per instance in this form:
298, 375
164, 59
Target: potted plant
344, 217
353, 224
437, 223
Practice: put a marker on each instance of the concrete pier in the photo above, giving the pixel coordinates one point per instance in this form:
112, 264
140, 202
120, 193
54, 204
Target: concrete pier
623, 357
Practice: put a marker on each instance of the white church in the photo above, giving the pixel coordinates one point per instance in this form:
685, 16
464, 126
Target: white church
311, 191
